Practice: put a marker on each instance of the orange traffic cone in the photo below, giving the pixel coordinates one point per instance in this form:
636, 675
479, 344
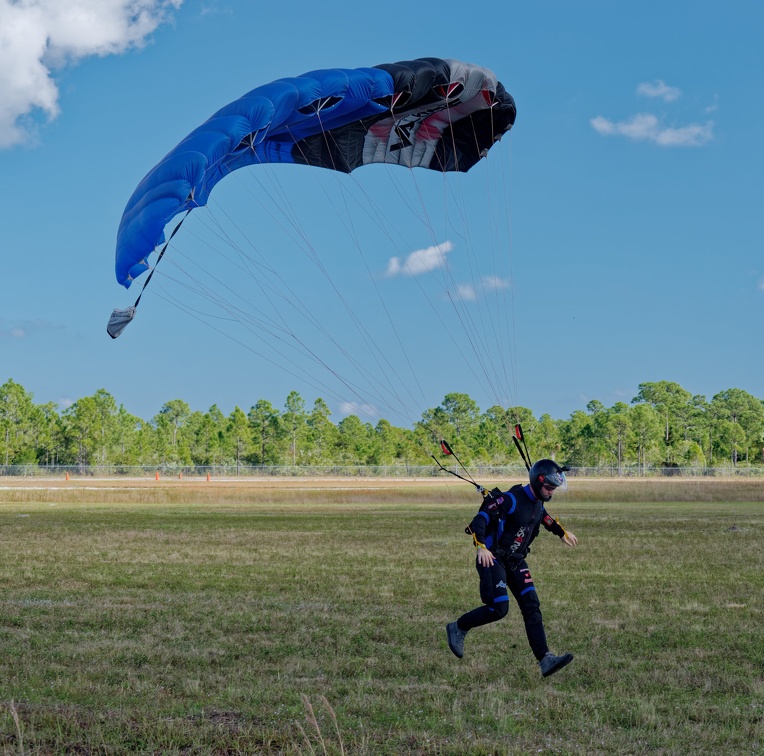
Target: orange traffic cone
67, 475
208, 477
157, 475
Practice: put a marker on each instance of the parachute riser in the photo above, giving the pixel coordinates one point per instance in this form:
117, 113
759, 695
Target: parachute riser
517, 437
479, 488
448, 451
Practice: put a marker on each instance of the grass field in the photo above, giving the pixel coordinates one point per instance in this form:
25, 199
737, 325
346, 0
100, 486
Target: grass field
308, 617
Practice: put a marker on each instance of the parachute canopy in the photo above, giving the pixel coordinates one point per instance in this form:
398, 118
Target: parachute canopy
432, 113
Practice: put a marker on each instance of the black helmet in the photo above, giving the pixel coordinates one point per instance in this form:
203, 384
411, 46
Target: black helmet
546, 472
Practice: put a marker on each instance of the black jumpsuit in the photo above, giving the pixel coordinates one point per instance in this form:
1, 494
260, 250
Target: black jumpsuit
506, 524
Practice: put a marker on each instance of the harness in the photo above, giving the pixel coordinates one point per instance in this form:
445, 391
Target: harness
494, 526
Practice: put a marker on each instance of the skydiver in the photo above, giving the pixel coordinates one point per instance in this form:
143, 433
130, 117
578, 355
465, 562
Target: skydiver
502, 532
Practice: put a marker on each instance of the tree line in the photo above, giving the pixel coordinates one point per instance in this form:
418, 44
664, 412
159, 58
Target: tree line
663, 426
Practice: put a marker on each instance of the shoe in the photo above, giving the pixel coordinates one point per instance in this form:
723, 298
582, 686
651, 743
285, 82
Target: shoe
551, 663
455, 639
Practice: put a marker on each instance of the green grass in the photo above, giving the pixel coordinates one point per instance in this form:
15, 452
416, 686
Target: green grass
247, 626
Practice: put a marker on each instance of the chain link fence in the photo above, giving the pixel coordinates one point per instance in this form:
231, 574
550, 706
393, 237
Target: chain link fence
479, 472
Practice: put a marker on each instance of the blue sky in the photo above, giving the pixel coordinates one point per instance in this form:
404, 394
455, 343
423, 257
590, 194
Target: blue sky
633, 179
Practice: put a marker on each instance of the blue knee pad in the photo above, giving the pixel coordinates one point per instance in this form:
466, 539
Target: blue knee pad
500, 608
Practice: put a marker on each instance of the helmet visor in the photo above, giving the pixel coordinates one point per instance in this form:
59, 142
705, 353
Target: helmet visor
556, 480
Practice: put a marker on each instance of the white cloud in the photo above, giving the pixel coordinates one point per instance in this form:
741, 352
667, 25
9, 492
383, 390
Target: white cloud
23, 329
213, 9
761, 285
645, 127
365, 412
38, 37
420, 261
659, 88
468, 292
493, 283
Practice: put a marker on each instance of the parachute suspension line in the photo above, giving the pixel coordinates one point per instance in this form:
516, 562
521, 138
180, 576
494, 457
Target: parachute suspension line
502, 280
444, 285
485, 285
507, 304
495, 289
350, 228
385, 309
447, 285
486, 321
353, 235
512, 300
236, 313
309, 250
346, 219
479, 285
384, 228
501, 400
246, 266
510, 380
307, 377
161, 255
299, 376
240, 316
374, 349
246, 321
504, 337
313, 255
247, 261
277, 288
468, 327
447, 293
357, 392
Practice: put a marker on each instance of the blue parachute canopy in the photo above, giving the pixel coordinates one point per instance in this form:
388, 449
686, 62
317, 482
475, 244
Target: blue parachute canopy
431, 113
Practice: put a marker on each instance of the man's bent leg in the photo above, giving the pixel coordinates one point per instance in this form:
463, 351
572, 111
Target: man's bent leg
493, 591
521, 585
